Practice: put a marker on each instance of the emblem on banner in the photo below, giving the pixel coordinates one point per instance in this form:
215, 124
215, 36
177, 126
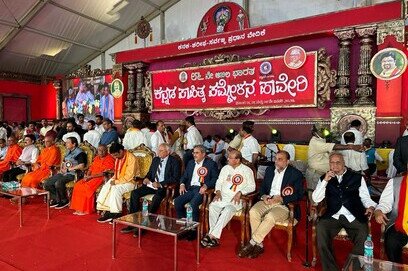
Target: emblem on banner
237, 179
287, 191
265, 68
183, 77
294, 57
202, 172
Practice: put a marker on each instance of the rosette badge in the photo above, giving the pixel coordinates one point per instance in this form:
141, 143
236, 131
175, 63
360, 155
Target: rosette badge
237, 179
202, 172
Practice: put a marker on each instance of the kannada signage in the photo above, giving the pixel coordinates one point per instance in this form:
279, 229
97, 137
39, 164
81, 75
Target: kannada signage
261, 83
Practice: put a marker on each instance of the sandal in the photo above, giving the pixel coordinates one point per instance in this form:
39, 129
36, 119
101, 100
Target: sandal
213, 243
205, 242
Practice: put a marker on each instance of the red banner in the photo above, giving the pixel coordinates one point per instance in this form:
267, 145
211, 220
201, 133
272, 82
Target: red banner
260, 83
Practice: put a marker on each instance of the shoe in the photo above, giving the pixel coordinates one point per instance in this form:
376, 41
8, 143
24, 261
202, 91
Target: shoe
107, 217
53, 203
136, 233
128, 229
62, 205
213, 243
258, 250
205, 241
246, 251
114, 216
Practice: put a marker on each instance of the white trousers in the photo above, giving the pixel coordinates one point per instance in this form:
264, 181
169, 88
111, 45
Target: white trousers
220, 213
111, 196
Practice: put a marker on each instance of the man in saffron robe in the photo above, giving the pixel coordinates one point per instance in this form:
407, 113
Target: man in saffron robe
110, 198
13, 153
49, 156
83, 196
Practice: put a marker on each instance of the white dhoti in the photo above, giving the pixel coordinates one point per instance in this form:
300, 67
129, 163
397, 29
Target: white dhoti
111, 196
220, 213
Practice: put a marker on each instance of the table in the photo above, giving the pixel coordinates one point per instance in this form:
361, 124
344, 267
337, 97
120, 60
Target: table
157, 223
356, 263
26, 192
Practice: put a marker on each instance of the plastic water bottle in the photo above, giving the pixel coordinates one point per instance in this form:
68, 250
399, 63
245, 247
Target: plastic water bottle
189, 214
145, 207
368, 250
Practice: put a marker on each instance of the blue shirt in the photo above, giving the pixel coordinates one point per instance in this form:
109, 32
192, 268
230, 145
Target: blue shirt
109, 137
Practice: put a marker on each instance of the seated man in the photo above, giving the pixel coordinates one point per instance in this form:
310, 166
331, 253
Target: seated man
71, 132
75, 159
200, 175
3, 148
393, 202
110, 198
12, 155
28, 156
235, 179
110, 135
92, 136
282, 185
348, 204
49, 156
83, 195
134, 137
165, 169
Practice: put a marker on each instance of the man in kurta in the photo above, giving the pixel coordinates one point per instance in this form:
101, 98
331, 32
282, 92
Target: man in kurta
13, 153
83, 196
110, 198
49, 156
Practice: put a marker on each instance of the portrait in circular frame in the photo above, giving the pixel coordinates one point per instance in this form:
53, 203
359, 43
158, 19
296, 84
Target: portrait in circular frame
294, 57
388, 64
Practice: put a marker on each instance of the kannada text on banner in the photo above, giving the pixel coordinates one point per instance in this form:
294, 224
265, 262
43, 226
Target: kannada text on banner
260, 83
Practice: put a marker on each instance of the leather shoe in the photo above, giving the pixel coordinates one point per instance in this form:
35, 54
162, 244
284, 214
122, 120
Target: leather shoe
258, 250
246, 251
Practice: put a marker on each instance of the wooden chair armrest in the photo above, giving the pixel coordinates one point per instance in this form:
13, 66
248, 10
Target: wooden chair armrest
248, 199
171, 190
207, 197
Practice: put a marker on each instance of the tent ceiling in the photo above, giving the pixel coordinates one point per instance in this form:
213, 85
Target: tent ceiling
50, 37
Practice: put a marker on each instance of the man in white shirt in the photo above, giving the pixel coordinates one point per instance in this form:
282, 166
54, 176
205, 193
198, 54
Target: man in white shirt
28, 156
71, 132
389, 214
134, 137
249, 147
217, 150
348, 205
92, 136
148, 131
99, 124
355, 160
192, 138
3, 148
235, 180
355, 129
3, 131
159, 137
45, 127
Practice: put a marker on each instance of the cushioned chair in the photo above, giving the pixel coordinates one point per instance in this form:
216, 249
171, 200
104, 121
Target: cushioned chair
144, 157
316, 212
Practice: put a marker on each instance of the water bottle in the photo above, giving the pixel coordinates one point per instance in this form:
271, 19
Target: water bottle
145, 206
189, 214
368, 250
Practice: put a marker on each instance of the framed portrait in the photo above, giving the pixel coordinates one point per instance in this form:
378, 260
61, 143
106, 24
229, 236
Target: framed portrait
117, 88
294, 57
388, 64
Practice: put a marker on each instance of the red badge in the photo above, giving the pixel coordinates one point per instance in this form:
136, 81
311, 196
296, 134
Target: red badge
202, 171
237, 179
287, 191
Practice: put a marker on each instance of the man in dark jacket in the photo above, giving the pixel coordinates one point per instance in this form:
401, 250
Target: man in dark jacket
282, 185
401, 154
348, 205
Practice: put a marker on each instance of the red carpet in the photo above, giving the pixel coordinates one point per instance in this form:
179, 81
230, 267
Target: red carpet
68, 242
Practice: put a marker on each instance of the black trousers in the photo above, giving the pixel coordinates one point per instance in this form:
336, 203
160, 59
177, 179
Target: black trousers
188, 155
56, 186
193, 197
394, 241
11, 174
136, 194
328, 228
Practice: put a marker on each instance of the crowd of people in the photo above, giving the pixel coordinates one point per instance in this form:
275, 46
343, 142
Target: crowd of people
337, 173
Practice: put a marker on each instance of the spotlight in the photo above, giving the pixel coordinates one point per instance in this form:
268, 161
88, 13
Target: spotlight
326, 133
274, 131
275, 135
231, 131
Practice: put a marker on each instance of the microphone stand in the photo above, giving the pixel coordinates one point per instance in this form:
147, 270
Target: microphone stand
306, 263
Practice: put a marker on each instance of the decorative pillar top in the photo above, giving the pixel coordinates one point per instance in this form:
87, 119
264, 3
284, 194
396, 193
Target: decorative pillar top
134, 66
344, 33
392, 28
366, 30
